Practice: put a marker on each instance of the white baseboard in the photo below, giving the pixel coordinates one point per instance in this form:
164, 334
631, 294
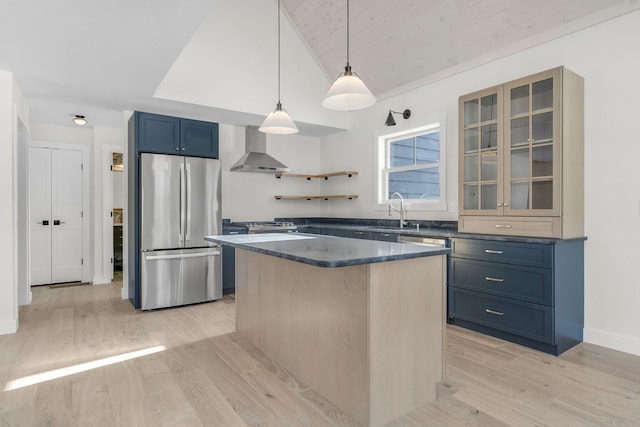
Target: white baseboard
101, 280
623, 343
8, 326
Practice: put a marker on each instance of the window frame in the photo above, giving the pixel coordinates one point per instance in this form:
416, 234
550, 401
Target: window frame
382, 171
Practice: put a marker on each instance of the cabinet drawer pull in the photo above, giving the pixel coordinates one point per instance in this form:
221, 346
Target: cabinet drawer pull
490, 251
502, 226
493, 279
497, 313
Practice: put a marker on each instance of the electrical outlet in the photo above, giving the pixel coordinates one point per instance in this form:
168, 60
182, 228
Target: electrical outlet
453, 208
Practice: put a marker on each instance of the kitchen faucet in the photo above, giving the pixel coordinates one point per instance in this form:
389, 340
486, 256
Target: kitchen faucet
401, 210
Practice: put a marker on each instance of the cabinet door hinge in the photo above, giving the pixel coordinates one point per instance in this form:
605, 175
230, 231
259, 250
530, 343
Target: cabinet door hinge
81, 261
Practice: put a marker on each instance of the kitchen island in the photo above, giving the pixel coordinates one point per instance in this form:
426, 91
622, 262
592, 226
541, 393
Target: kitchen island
361, 322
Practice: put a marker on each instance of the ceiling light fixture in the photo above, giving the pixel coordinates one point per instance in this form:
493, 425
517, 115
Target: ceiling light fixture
80, 120
278, 121
348, 92
392, 122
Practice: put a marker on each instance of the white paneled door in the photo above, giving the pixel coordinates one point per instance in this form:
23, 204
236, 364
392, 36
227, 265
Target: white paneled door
55, 193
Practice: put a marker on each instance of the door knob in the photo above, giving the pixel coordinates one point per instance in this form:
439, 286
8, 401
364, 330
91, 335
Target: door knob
43, 222
57, 222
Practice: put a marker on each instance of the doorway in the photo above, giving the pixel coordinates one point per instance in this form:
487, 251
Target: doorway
56, 215
117, 178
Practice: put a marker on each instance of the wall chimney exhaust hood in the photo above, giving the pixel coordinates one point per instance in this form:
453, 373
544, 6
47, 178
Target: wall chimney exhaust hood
255, 158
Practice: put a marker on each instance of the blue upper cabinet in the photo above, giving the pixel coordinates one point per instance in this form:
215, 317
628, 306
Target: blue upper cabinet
173, 135
199, 138
158, 134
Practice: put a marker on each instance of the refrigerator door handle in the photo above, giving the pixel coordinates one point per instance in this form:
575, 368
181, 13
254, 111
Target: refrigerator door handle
183, 195
178, 256
188, 195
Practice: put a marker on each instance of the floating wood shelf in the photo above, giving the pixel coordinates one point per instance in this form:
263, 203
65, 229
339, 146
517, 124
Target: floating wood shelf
337, 196
324, 176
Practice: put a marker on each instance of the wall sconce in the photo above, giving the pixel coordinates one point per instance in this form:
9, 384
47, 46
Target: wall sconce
391, 121
80, 120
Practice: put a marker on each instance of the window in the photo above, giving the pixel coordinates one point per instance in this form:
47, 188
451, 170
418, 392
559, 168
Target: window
412, 163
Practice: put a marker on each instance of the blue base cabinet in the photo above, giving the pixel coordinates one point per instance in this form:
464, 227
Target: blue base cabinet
528, 293
229, 262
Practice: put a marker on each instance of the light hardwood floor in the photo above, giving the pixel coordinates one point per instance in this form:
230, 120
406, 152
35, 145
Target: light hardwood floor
207, 377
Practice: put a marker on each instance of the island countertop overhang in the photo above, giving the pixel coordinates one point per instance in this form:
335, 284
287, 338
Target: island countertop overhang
326, 251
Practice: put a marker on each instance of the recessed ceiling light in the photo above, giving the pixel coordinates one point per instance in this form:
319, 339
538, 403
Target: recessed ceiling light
80, 120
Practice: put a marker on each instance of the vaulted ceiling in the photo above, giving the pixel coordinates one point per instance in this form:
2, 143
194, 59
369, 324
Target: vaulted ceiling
105, 57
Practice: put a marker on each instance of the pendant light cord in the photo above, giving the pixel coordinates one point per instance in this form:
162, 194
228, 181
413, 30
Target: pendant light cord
279, 103
348, 67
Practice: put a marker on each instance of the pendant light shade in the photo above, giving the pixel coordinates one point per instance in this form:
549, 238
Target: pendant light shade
278, 121
348, 92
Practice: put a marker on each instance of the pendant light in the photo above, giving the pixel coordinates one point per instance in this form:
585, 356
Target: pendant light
278, 121
348, 92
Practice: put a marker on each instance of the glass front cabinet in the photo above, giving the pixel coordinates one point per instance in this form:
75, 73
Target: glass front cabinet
521, 157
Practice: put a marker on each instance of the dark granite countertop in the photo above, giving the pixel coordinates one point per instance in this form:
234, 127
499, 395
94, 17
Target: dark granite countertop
326, 251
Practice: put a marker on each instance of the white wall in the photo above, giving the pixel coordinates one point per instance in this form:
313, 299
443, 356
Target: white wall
12, 108
606, 56
8, 308
248, 196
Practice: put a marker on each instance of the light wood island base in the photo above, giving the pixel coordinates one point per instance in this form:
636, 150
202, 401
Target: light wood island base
368, 337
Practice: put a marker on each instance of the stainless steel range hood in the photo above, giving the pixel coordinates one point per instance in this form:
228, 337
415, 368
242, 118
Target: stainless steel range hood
255, 158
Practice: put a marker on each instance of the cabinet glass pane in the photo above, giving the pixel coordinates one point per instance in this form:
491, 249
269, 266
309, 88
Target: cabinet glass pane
542, 127
542, 194
519, 195
542, 94
489, 138
520, 100
542, 164
489, 162
471, 196
520, 163
489, 196
489, 108
471, 140
471, 112
520, 131
471, 168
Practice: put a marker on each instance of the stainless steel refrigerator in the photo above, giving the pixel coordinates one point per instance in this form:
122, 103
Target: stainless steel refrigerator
179, 205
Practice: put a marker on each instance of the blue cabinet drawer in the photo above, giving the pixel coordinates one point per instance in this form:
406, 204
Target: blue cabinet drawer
357, 234
528, 254
335, 232
385, 237
529, 284
527, 320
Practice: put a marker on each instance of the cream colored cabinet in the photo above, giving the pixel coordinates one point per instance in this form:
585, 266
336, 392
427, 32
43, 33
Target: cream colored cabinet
521, 157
